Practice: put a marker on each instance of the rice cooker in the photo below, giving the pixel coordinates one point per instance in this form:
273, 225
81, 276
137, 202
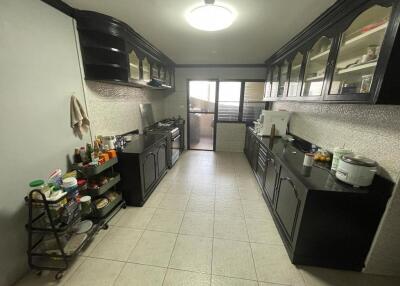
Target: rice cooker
356, 170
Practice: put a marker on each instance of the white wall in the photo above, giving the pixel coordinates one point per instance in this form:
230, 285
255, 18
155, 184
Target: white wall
369, 130
176, 103
39, 71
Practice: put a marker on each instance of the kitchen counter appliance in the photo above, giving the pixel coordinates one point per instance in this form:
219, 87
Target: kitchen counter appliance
174, 129
356, 170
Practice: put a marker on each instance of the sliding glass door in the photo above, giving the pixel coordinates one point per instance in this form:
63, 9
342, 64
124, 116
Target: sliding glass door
201, 114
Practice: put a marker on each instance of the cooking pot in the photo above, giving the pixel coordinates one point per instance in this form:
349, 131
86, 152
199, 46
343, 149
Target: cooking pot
356, 170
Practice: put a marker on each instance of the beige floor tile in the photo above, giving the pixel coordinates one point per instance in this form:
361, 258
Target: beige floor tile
273, 265
183, 188
174, 202
154, 200
256, 210
94, 242
230, 228
192, 253
229, 212
249, 194
203, 204
153, 248
227, 203
186, 278
166, 220
233, 259
227, 281
95, 272
117, 217
117, 243
204, 190
263, 231
227, 193
143, 275
47, 278
268, 284
316, 276
136, 217
196, 223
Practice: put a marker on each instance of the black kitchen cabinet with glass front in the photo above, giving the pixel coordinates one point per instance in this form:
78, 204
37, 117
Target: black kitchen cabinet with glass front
349, 54
113, 52
322, 221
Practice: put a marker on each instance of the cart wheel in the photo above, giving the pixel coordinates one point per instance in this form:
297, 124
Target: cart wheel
59, 275
39, 273
124, 206
105, 226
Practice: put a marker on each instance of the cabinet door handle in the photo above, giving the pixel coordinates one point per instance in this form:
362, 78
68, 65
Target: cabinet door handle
293, 186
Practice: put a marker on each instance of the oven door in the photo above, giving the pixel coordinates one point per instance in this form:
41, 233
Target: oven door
176, 148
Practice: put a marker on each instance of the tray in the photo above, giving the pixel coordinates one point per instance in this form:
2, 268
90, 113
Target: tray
111, 183
95, 170
104, 212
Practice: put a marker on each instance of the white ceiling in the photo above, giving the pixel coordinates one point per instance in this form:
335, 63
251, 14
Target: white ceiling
261, 27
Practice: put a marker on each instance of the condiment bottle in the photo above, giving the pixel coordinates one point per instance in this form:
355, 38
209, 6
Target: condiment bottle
77, 156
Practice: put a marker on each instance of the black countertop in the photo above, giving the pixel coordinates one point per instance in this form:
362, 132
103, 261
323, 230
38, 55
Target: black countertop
140, 143
313, 178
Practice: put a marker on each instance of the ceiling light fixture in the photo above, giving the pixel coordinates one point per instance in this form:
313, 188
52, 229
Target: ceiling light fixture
210, 17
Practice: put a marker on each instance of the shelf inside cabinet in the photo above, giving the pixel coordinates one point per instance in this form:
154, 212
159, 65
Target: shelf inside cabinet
315, 78
366, 35
358, 67
322, 55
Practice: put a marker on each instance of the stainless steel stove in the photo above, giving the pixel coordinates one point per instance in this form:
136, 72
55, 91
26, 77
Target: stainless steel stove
174, 129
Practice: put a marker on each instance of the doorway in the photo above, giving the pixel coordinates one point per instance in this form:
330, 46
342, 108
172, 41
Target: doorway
201, 114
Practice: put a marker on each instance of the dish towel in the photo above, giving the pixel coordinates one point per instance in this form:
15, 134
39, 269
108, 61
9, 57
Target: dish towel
79, 121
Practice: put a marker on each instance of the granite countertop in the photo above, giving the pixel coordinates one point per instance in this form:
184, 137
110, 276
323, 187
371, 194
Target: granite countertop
140, 143
313, 178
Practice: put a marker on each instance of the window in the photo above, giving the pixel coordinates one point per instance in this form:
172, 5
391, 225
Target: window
240, 101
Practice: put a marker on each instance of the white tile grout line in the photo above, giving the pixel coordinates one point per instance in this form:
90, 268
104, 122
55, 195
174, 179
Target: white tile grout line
170, 257
213, 234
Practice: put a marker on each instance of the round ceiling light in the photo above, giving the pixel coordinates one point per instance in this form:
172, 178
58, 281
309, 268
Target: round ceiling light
210, 17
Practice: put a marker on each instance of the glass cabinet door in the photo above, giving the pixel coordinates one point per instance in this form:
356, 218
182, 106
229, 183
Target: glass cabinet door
134, 66
167, 77
267, 85
317, 60
359, 51
146, 69
162, 74
295, 81
275, 81
283, 79
154, 71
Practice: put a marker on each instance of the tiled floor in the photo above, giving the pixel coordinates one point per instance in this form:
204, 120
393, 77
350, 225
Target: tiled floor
205, 224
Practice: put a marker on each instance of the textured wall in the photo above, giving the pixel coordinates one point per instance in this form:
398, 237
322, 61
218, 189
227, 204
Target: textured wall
230, 137
114, 109
370, 130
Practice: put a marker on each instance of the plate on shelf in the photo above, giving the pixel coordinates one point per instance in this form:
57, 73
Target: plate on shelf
74, 243
82, 226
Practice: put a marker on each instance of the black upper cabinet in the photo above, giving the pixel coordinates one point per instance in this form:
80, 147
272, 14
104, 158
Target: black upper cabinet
113, 52
348, 54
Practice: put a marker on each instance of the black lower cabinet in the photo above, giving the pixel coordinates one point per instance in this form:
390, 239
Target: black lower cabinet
142, 165
322, 222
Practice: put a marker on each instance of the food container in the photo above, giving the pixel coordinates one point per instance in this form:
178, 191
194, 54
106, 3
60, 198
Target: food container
70, 184
356, 170
112, 153
337, 153
86, 204
55, 178
308, 159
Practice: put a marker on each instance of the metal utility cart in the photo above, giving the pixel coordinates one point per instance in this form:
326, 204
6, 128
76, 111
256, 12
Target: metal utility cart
49, 233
